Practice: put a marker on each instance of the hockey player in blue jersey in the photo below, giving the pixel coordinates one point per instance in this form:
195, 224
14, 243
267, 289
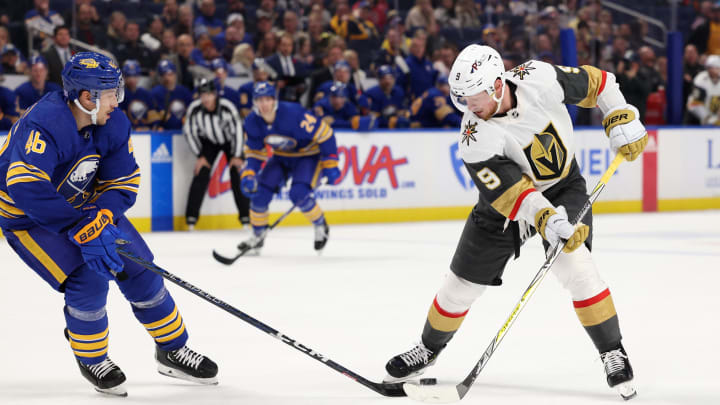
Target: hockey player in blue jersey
38, 85
304, 150
8, 107
171, 98
339, 112
138, 104
67, 176
261, 73
433, 108
222, 70
387, 101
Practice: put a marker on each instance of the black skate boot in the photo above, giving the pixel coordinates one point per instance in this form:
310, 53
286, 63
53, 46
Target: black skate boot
322, 233
412, 363
252, 246
106, 376
619, 372
187, 365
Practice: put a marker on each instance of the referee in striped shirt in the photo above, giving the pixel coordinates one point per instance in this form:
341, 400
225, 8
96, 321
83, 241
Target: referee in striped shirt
213, 125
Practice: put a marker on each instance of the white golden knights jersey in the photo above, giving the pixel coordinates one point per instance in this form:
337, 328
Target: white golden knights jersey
531, 147
704, 100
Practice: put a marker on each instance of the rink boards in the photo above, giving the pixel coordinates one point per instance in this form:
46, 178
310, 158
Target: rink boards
390, 176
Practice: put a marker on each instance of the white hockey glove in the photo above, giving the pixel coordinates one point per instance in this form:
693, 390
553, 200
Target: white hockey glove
627, 134
554, 227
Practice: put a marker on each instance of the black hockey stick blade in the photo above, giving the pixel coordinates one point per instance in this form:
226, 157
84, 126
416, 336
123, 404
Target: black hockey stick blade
386, 389
229, 260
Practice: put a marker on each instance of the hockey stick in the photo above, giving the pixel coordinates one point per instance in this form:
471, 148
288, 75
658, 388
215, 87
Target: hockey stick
451, 393
386, 389
242, 250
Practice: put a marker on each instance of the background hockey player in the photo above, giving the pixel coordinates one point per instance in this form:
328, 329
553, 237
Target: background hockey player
304, 150
38, 85
67, 176
387, 101
213, 125
517, 143
171, 98
338, 111
138, 103
703, 104
433, 109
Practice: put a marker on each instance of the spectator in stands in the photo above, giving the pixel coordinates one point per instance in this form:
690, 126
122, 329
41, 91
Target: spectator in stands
184, 24
236, 6
391, 52
291, 72
242, 60
362, 36
338, 112
318, 37
4, 36
636, 88
170, 13
304, 51
544, 49
267, 10
290, 24
94, 16
171, 98
9, 113
704, 14
133, 48
11, 60
138, 104
207, 18
332, 56
338, 22
58, 53
234, 35
263, 26
87, 31
342, 74
434, 109
703, 104
168, 49
422, 75
261, 73
31, 91
221, 70
648, 70
267, 45
467, 14
115, 33
155, 31
705, 37
357, 74
387, 101
185, 50
691, 68
41, 19
207, 53
422, 16
445, 14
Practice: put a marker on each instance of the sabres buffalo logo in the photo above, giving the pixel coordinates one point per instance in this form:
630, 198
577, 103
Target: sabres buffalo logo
522, 70
75, 186
546, 154
281, 142
468, 133
89, 63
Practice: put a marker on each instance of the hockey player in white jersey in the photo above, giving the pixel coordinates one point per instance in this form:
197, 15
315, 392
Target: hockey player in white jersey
517, 143
703, 103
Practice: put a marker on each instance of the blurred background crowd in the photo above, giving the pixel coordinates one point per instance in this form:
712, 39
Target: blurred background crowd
358, 64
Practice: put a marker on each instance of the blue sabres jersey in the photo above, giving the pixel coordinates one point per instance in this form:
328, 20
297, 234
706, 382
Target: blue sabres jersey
49, 169
230, 94
140, 107
176, 102
346, 117
245, 96
323, 90
27, 94
432, 110
8, 108
295, 132
389, 108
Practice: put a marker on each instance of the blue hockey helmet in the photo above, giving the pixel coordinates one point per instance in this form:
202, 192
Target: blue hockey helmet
165, 66
264, 89
131, 67
385, 70
92, 72
219, 63
339, 89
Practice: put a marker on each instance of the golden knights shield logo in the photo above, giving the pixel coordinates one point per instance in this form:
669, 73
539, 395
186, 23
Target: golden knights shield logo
546, 154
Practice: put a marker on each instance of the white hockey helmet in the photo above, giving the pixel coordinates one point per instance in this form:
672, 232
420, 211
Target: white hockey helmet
475, 70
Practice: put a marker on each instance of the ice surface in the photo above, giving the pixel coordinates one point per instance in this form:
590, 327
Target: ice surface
366, 299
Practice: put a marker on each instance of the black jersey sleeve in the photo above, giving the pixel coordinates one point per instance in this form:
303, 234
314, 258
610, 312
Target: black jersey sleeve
581, 85
502, 183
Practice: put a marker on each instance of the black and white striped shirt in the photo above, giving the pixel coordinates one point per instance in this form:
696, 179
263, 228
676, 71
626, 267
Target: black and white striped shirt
220, 127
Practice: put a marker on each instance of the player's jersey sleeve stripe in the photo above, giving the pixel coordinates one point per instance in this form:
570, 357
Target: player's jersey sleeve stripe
10, 209
509, 202
582, 85
519, 201
22, 179
22, 168
595, 86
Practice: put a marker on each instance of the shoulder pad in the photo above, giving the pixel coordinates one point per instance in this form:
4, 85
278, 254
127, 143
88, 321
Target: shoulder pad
480, 140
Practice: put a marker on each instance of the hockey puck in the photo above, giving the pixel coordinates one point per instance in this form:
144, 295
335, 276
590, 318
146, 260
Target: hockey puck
428, 381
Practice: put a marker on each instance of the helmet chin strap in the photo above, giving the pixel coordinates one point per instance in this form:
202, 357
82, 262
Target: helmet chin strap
499, 100
93, 113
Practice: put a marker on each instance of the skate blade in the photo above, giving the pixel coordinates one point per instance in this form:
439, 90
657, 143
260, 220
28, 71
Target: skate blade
117, 391
626, 390
174, 373
390, 379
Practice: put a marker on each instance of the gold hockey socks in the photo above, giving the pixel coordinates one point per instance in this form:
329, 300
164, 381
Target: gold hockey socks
597, 315
440, 326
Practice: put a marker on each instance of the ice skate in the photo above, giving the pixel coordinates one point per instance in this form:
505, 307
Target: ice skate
322, 233
619, 372
186, 364
252, 246
410, 364
106, 377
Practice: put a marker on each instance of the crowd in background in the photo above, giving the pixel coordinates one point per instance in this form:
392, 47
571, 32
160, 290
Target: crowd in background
358, 64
